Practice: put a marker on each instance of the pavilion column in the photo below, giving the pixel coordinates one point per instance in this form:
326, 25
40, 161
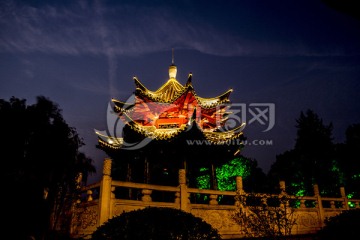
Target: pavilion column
146, 170
105, 193
128, 173
128, 178
213, 184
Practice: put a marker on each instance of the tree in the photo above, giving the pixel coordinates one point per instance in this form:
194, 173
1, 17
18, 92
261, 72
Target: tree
226, 173
348, 164
349, 7
311, 161
156, 223
41, 162
266, 216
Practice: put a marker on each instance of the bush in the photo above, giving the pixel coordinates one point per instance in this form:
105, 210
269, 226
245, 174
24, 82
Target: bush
343, 226
156, 223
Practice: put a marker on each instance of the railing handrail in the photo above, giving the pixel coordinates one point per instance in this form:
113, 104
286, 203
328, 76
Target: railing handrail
116, 183
211, 191
337, 199
91, 186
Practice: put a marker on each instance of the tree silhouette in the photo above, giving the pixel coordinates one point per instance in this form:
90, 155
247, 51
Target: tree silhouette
348, 154
311, 161
348, 7
41, 161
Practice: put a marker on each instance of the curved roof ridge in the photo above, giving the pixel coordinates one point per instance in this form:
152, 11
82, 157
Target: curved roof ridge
168, 92
120, 106
139, 85
214, 101
172, 88
152, 131
223, 137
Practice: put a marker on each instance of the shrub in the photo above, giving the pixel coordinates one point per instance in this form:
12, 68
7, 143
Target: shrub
343, 226
156, 223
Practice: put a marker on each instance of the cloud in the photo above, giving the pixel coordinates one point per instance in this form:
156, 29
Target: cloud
97, 29
92, 28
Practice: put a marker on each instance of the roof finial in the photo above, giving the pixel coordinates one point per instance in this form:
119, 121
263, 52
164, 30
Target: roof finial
172, 57
172, 68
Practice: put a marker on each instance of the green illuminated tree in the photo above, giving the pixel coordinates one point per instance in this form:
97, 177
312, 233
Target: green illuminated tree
226, 173
41, 160
253, 177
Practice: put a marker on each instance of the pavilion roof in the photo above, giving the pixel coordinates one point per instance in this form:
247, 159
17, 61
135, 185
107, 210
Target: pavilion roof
172, 90
148, 104
212, 138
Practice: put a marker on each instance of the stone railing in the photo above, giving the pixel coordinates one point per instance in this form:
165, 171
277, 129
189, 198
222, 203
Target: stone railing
109, 198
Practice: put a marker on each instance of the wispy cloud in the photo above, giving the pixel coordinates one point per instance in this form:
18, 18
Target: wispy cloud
93, 28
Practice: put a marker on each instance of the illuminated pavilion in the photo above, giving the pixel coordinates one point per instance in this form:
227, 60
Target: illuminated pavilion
169, 129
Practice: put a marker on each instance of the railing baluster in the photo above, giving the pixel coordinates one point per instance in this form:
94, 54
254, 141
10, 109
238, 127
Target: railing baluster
146, 195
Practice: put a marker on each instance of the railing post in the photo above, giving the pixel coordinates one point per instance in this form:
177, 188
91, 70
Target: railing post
239, 200
319, 205
239, 184
345, 200
283, 193
105, 192
184, 197
282, 187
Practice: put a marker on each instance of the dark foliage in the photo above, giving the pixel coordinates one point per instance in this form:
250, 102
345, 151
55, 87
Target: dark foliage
348, 7
343, 226
257, 180
156, 223
348, 155
40, 163
315, 159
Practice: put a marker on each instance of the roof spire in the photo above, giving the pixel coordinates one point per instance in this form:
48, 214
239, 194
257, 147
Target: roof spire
172, 57
172, 68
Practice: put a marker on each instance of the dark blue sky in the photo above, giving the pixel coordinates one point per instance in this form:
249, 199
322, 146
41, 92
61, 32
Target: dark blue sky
297, 55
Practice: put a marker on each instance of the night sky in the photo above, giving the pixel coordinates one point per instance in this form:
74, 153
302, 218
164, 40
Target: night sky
297, 55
